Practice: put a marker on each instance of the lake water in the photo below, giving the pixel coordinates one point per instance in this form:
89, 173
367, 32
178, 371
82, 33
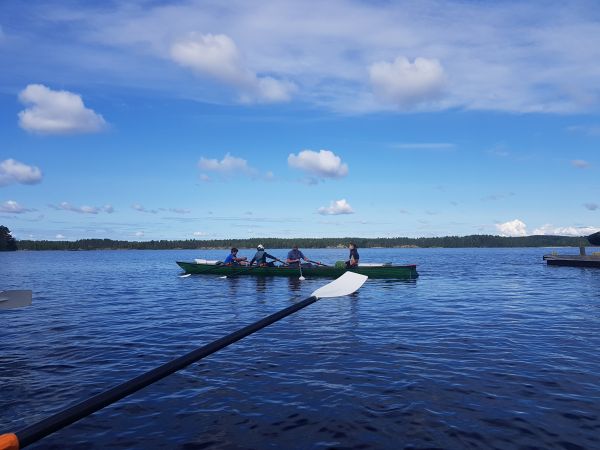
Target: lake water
488, 348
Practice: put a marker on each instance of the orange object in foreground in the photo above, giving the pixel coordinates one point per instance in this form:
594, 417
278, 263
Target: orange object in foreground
9, 442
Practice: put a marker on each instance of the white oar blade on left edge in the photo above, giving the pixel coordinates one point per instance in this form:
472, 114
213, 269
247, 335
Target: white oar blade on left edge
14, 299
348, 283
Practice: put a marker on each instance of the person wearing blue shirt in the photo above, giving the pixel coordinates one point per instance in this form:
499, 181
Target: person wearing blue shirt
232, 259
294, 256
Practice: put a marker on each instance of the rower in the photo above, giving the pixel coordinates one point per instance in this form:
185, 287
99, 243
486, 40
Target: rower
294, 256
354, 257
261, 257
232, 259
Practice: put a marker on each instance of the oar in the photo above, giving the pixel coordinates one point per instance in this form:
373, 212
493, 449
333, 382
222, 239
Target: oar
14, 299
318, 263
346, 284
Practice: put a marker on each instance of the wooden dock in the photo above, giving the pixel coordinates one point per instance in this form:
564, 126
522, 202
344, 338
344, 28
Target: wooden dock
573, 260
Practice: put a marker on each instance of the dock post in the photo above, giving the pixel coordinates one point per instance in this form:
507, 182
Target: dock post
581, 250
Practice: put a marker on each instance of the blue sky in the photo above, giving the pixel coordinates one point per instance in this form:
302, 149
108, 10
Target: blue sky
204, 119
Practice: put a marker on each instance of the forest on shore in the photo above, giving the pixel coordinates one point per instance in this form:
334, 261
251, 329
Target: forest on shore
472, 241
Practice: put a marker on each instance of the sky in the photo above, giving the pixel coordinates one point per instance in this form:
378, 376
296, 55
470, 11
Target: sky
191, 119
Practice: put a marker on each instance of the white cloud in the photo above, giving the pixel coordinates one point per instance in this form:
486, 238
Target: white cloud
60, 236
228, 164
336, 207
580, 163
591, 206
12, 171
108, 209
11, 206
549, 229
494, 56
65, 206
139, 234
200, 233
141, 208
407, 84
180, 210
323, 164
56, 112
217, 56
512, 228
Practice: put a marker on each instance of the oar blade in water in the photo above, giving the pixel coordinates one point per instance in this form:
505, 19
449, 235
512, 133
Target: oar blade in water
348, 283
15, 299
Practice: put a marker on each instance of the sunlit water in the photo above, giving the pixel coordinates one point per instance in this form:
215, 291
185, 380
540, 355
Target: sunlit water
489, 348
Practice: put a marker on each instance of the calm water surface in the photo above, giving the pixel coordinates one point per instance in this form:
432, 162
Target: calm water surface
489, 348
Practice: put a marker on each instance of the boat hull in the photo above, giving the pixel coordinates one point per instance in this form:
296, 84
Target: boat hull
405, 272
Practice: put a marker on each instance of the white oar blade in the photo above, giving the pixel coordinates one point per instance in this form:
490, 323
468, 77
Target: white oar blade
348, 283
15, 299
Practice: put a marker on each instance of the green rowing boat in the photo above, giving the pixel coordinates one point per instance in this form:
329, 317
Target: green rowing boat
406, 272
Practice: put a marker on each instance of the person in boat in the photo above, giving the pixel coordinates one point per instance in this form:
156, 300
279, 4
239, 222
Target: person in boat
233, 260
261, 257
354, 256
295, 256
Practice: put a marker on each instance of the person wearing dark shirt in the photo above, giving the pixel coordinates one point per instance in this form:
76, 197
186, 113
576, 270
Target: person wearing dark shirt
354, 256
261, 257
294, 256
232, 259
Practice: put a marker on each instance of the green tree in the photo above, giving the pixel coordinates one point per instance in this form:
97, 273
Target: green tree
7, 242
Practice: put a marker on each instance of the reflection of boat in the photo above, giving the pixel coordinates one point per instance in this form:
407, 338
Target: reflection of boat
573, 260
371, 270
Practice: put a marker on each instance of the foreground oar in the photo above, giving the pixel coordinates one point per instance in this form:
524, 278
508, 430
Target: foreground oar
14, 299
348, 283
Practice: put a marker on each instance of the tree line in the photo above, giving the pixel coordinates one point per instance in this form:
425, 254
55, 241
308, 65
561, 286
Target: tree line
472, 241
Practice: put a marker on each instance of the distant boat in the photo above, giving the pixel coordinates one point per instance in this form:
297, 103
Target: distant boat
381, 271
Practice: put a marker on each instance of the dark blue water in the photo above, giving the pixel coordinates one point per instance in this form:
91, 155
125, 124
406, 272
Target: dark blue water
489, 348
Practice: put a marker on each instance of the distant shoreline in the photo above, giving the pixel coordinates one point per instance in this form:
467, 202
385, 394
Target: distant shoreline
472, 241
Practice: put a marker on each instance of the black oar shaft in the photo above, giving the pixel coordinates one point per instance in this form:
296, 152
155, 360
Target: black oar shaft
76, 412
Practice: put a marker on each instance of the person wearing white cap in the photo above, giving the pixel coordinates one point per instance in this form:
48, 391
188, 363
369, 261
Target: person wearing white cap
261, 257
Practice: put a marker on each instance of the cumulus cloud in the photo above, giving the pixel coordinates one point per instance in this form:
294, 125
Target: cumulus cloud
56, 112
322, 164
66, 206
13, 207
217, 56
580, 163
200, 233
228, 164
549, 229
407, 84
60, 236
591, 206
335, 208
12, 171
512, 228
